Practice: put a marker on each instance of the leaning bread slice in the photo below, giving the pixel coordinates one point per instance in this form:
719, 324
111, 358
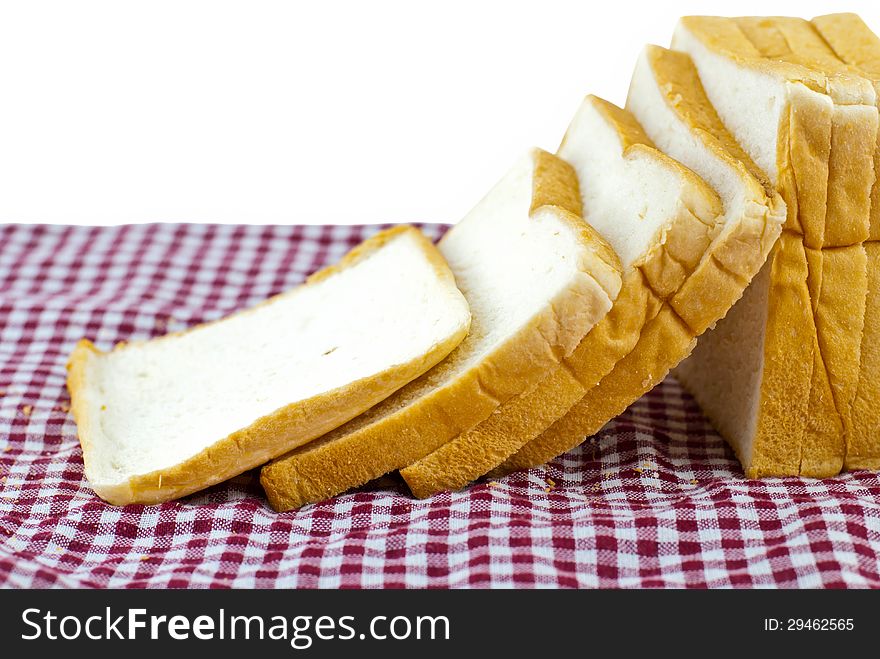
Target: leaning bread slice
659, 217
666, 97
856, 45
810, 124
537, 278
163, 418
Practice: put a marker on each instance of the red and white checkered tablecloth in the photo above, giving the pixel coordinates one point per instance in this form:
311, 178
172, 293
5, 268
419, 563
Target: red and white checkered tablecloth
656, 499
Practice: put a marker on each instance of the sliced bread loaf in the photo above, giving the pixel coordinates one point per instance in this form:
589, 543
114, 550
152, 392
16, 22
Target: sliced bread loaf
666, 97
811, 125
856, 45
660, 218
838, 266
163, 418
536, 277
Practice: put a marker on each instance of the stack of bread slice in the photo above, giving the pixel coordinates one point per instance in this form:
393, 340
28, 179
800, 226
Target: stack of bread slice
660, 218
725, 224
667, 98
810, 121
537, 279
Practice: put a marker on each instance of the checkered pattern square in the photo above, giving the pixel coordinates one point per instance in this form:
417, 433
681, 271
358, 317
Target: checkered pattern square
654, 500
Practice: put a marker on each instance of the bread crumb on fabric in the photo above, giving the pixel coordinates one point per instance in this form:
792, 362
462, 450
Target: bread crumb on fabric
493, 483
551, 482
694, 481
27, 409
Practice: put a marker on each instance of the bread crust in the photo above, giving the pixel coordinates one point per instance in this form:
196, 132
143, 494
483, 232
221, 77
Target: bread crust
857, 46
658, 273
662, 342
270, 435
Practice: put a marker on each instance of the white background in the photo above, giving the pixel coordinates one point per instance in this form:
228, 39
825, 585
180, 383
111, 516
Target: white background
303, 112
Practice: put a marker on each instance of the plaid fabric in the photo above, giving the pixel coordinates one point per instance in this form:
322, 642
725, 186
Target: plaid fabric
656, 499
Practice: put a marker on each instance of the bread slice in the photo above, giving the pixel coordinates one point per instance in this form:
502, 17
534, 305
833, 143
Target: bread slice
666, 97
163, 418
537, 278
660, 218
811, 127
856, 45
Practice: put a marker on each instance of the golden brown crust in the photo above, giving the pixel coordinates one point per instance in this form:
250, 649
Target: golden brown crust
863, 450
479, 450
555, 184
628, 129
366, 449
373, 243
852, 40
351, 258
76, 386
808, 140
855, 44
733, 39
474, 452
268, 436
664, 341
788, 366
611, 338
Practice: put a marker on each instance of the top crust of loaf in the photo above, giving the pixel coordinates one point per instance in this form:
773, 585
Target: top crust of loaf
733, 38
852, 40
464, 391
269, 435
